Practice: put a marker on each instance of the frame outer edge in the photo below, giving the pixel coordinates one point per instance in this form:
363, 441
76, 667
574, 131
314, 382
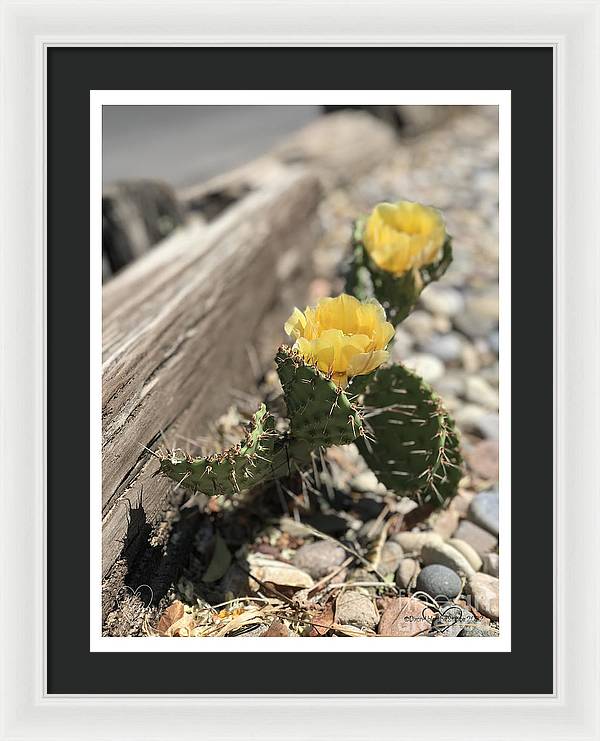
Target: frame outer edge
30, 714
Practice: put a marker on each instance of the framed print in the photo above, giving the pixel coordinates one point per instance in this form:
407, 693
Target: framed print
325, 374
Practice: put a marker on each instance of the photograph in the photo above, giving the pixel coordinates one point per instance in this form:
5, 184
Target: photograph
300, 415
299, 342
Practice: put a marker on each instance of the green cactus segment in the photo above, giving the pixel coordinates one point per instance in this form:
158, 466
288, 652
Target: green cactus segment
320, 413
251, 462
412, 446
397, 295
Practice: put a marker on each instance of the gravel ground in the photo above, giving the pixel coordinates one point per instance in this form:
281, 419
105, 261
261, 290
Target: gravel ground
328, 554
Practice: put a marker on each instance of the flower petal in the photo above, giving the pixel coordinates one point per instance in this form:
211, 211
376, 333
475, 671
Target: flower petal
404, 235
341, 336
363, 363
295, 325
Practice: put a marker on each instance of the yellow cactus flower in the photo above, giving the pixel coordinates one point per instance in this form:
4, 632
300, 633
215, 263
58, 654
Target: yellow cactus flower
404, 235
342, 336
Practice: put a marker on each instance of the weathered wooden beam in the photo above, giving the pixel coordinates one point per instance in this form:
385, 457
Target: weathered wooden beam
135, 216
199, 316
181, 330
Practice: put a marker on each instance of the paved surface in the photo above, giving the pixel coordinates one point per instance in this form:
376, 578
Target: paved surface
187, 144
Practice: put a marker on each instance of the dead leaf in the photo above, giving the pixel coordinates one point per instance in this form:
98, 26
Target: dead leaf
277, 629
175, 622
405, 617
172, 614
322, 621
219, 563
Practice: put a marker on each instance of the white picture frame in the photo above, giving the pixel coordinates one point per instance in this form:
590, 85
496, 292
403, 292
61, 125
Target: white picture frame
29, 28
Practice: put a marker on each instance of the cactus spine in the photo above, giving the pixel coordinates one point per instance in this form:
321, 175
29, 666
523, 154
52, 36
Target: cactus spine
399, 424
320, 415
412, 446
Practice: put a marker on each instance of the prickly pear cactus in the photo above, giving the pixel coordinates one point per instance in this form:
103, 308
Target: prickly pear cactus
397, 294
335, 385
320, 413
247, 464
411, 444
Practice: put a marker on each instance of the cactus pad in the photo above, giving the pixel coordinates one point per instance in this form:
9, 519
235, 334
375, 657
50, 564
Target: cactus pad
412, 446
321, 414
243, 466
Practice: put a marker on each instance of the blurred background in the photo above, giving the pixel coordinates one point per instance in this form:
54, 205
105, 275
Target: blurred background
184, 145
151, 154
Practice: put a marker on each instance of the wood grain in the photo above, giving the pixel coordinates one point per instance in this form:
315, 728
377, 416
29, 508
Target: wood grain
177, 328
197, 317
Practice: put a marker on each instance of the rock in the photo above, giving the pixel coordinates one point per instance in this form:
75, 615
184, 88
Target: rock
407, 573
447, 347
471, 360
488, 426
491, 373
479, 630
319, 559
403, 505
428, 367
480, 316
468, 552
485, 591
480, 392
451, 384
484, 511
405, 617
487, 358
442, 553
494, 341
236, 582
439, 581
441, 324
468, 417
391, 556
341, 500
276, 572
451, 403
402, 345
328, 524
356, 609
442, 300
367, 508
446, 523
451, 620
369, 531
419, 324
483, 459
366, 481
292, 527
361, 576
491, 564
478, 538
461, 502
414, 542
